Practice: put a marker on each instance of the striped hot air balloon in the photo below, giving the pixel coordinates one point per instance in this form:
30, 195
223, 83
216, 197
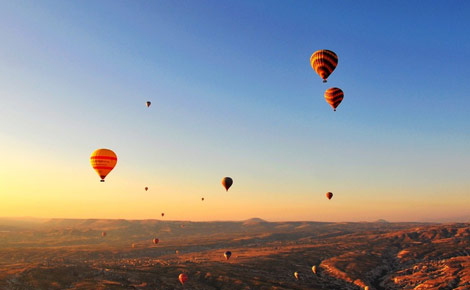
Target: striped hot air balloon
103, 161
324, 62
334, 96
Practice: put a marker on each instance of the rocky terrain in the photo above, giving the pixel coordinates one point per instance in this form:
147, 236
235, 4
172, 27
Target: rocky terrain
73, 254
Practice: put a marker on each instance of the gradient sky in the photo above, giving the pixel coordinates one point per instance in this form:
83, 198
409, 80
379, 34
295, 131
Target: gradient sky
233, 94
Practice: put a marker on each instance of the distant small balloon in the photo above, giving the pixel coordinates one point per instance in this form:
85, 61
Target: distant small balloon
148, 103
163, 214
314, 269
329, 195
146, 188
296, 275
202, 199
183, 278
103, 234
227, 255
133, 245
227, 182
155, 241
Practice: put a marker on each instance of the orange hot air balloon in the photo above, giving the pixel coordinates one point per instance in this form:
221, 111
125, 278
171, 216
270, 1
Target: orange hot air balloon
227, 182
314, 269
329, 195
296, 275
155, 241
146, 188
103, 234
324, 62
334, 96
183, 278
163, 214
148, 103
133, 245
103, 161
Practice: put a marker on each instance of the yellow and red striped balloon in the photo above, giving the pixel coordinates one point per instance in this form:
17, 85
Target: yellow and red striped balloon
324, 62
334, 96
103, 161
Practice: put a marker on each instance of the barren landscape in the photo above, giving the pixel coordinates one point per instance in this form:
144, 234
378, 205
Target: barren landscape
73, 254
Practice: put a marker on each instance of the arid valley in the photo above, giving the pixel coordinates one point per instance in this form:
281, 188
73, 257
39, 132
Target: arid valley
73, 254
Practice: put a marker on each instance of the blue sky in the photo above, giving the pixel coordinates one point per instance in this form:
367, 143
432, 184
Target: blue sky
233, 94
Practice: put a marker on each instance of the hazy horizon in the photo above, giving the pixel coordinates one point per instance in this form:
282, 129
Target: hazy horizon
463, 219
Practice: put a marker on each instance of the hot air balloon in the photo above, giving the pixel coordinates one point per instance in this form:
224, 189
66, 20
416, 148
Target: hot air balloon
366, 288
296, 275
133, 245
148, 103
227, 182
329, 195
314, 269
163, 214
202, 199
182, 226
103, 234
103, 161
183, 278
177, 252
334, 96
227, 255
324, 62
155, 241
146, 188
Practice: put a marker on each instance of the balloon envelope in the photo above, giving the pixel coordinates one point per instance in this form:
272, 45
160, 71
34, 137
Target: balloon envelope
148, 103
334, 96
324, 62
314, 269
103, 161
146, 188
227, 255
103, 234
155, 241
296, 275
329, 195
183, 278
227, 182
163, 214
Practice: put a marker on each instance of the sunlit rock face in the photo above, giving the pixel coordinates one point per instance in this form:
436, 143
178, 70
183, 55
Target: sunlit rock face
72, 254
